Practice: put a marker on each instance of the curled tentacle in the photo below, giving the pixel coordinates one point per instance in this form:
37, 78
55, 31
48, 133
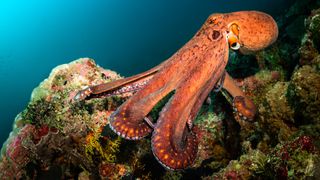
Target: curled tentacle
179, 153
121, 125
173, 144
171, 158
128, 121
244, 107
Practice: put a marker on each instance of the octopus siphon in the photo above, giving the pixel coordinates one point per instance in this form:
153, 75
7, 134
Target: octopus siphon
190, 75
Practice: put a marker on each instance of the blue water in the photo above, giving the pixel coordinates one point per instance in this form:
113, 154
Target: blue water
124, 35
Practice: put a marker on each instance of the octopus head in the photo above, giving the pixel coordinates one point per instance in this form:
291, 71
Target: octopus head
250, 31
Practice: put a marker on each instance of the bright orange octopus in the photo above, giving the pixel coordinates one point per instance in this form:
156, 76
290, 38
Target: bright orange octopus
191, 73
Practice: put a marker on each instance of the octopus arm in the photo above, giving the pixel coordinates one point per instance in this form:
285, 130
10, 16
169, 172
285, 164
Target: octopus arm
199, 101
101, 88
128, 120
110, 87
173, 144
242, 104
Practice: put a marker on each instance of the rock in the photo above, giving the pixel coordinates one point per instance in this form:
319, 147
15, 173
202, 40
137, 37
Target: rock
295, 159
304, 90
55, 136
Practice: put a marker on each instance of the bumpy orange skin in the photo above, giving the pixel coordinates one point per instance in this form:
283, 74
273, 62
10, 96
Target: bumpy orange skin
257, 30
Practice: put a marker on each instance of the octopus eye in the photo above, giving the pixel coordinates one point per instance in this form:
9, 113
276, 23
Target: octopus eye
215, 34
233, 41
235, 46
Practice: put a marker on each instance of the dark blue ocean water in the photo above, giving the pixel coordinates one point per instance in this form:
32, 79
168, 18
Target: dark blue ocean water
128, 36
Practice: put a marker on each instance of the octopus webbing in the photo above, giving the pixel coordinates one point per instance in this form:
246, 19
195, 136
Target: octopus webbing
190, 75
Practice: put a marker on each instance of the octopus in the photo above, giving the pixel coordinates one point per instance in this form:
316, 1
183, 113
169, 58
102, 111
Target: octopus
189, 75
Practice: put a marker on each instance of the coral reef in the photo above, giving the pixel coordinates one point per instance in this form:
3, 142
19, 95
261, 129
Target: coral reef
295, 159
57, 137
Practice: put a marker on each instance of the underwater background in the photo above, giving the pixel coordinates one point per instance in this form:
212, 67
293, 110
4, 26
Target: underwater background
126, 36
49, 50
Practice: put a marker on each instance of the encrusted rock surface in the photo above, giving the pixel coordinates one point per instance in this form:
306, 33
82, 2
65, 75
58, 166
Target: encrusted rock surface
55, 136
